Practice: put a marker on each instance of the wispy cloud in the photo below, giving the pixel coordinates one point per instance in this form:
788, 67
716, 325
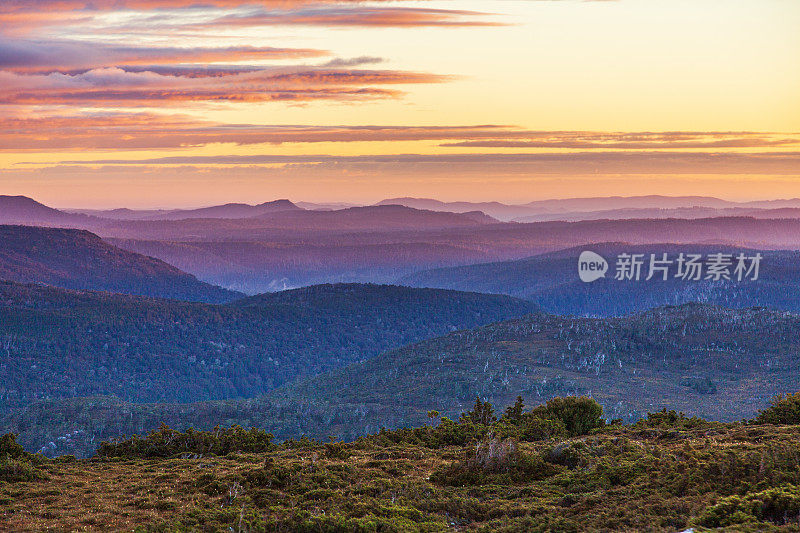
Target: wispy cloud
153, 131
118, 87
352, 16
632, 140
11, 6
46, 56
163, 131
778, 163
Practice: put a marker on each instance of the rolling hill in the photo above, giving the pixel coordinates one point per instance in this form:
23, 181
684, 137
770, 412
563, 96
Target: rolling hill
58, 343
718, 363
722, 364
262, 259
77, 259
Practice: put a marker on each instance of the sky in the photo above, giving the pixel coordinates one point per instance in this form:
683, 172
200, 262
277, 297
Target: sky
178, 103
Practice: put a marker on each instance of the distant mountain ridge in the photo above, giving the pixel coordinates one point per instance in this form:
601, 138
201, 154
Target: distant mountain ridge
496, 210
386, 216
380, 244
610, 207
24, 210
230, 210
622, 202
78, 259
658, 213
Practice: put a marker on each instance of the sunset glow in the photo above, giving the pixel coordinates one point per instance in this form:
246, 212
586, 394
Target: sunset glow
180, 103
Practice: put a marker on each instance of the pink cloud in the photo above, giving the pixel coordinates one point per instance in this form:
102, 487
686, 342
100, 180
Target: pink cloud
117, 87
354, 16
42, 56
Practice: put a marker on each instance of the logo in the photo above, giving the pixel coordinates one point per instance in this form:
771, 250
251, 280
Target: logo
591, 266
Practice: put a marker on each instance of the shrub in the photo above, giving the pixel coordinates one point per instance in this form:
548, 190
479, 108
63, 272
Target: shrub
514, 413
700, 385
779, 505
14, 470
493, 461
166, 442
482, 413
337, 450
671, 419
447, 433
10, 447
531, 429
569, 454
578, 414
561, 417
783, 410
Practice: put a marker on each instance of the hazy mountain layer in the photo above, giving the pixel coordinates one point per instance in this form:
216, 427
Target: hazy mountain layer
381, 244
77, 259
551, 280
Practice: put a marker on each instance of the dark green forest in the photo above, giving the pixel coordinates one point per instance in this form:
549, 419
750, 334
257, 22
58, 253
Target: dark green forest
56, 343
715, 362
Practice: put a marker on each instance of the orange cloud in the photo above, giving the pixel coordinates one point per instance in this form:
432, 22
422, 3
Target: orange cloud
152, 131
584, 163
632, 141
160, 131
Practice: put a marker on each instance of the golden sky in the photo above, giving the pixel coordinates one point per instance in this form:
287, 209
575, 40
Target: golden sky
168, 103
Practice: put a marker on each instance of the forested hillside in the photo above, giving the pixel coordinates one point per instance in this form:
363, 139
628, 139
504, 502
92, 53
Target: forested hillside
58, 343
720, 363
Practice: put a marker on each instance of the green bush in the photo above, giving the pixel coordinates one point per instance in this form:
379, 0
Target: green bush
700, 385
482, 413
493, 461
783, 410
531, 429
671, 419
168, 442
514, 413
560, 417
569, 454
18, 469
10, 447
337, 450
779, 505
578, 414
